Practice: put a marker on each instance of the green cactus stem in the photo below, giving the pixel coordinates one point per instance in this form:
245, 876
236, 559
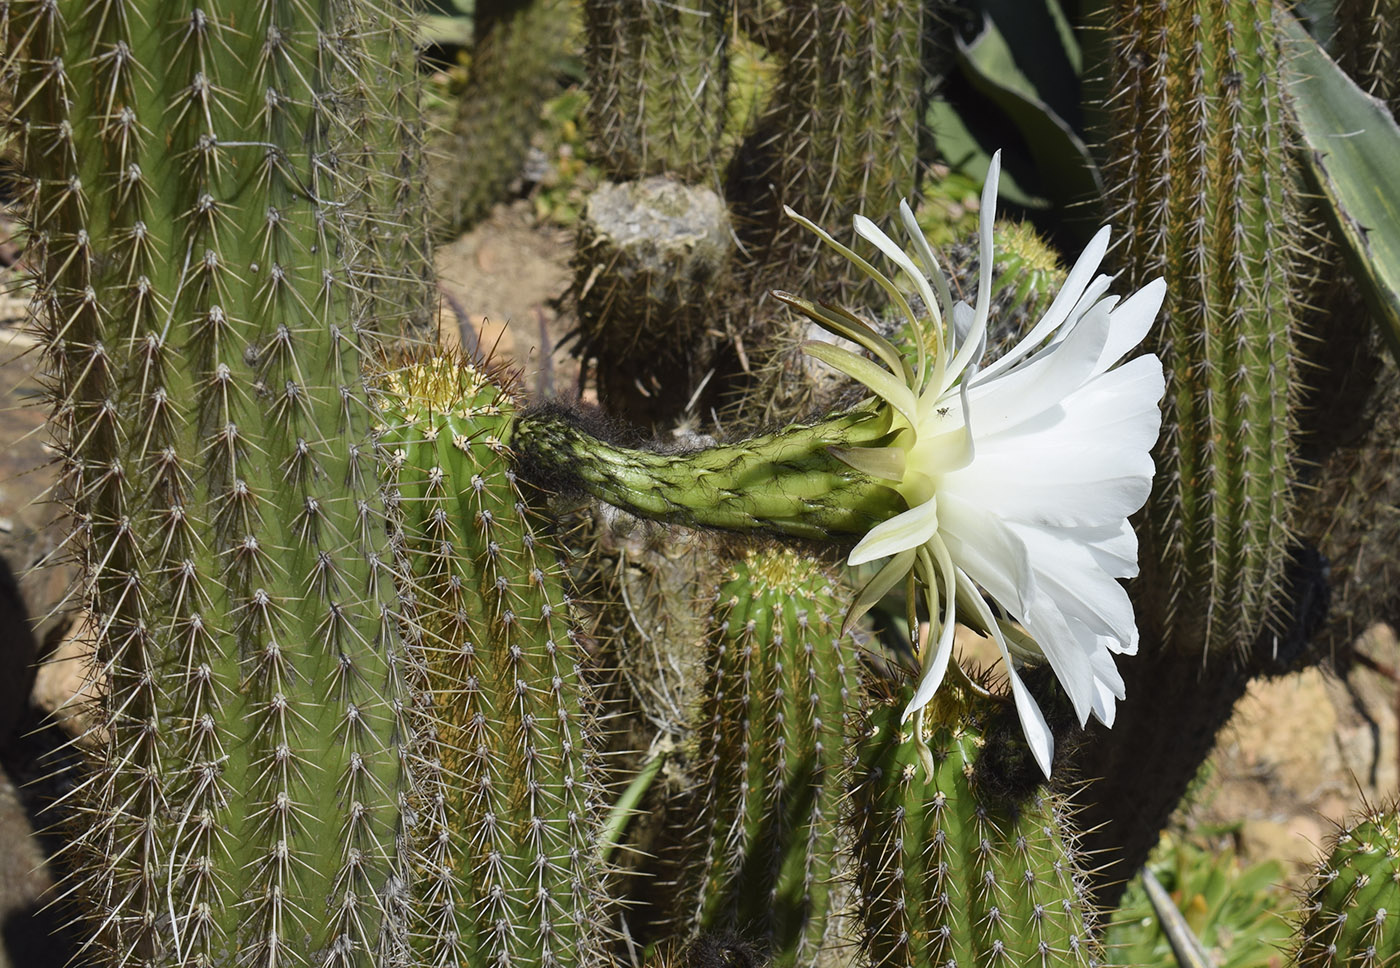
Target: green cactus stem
788, 482
508, 867
658, 80
953, 870
515, 59
844, 122
1197, 152
771, 738
198, 198
1352, 911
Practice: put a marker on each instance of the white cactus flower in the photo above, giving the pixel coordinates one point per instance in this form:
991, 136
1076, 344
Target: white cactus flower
1019, 475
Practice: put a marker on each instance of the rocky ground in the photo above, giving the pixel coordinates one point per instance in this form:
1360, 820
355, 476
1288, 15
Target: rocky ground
1300, 753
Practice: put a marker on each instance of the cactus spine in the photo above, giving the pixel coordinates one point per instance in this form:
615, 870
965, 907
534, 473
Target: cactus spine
953, 871
771, 737
507, 861
198, 201
1198, 156
1352, 913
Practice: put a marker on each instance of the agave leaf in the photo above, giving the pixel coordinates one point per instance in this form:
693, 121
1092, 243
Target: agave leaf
1352, 153
1038, 93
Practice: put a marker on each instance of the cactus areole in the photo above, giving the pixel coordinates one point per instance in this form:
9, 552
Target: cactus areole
931, 474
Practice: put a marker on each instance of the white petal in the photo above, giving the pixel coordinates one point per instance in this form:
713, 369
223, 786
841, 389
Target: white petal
984, 548
1028, 497
1075, 284
1131, 321
1064, 650
1030, 390
937, 664
1038, 735
1033, 724
1108, 688
904, 531
1081, 590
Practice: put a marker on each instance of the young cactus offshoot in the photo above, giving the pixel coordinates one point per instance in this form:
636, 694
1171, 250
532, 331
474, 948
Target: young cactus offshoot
506, 861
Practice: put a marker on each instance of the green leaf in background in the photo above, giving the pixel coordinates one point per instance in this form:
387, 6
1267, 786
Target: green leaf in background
1352, 152
1025, 61
1237, 913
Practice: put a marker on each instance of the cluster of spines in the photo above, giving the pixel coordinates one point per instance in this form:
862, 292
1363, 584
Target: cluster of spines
770, 742
507, 784
843, 125
1352, 910
1198, 161
515, 59
196, 200
952, 868
658, 76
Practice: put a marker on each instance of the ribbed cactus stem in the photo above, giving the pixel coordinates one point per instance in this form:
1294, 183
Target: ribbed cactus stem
1199, 163
507, 812
772, 741
658, 79
1367, 46
951, 870
845, 120
786, 482
197, 201
1352, 913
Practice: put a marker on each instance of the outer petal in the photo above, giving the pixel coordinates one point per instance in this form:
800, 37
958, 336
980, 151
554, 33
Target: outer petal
1069, 295
902, 532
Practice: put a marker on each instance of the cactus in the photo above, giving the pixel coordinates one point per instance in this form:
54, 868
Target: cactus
515, 56
771, 738
198, 201
508, 781
1198, 157
658, 79
1367, 46
652, 255
957, 863
1352, 909
844, 127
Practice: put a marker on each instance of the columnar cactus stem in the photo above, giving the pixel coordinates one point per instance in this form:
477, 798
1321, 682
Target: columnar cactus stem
516, 54
953, 870
658, 80
845, 121
1199, 159
1353, 901
197, 201
772, 740
508, 867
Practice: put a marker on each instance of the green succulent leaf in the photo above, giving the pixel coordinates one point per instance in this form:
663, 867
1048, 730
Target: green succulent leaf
1024, 84
1351, 144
